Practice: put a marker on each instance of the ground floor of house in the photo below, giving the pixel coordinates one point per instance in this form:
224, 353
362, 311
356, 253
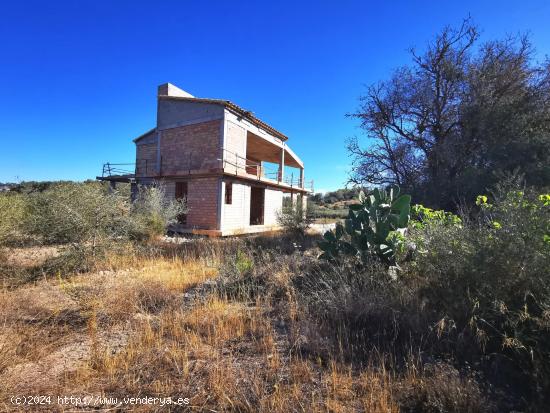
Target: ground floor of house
225, 205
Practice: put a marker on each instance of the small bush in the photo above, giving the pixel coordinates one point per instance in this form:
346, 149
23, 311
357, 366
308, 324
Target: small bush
76, 213
294, 218
250, 273
438, 388
91, 213
152, 212
87, 220
13, 207
486, 286
359, 308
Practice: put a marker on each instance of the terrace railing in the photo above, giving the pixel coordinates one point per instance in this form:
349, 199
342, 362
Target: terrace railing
240, 164
143, 167
117, 169
231, 161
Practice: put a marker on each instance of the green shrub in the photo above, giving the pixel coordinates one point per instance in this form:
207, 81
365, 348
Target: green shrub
152, 212
13, 210
293, 218
243, 263
86, 219
486, 285
476, 289
91, 213
422, 217
76, 213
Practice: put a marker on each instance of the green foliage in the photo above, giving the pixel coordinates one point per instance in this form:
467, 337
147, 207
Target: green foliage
475, 289
243, 263
422, 216
76, 213
13, 210
370, 227
343, 194
152, 212
293, 218
89, 214
486, 285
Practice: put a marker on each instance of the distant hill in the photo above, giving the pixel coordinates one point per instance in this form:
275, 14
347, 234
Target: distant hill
340, 198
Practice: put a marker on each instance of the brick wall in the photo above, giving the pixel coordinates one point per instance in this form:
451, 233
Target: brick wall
190, 147
146, 159
202, 201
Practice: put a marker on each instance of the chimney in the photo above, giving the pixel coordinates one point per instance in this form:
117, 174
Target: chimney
168, 89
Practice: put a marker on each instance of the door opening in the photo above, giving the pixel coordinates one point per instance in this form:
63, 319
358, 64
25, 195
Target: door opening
181, 193
257, 201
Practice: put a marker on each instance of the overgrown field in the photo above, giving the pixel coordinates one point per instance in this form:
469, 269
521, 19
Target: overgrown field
462, 324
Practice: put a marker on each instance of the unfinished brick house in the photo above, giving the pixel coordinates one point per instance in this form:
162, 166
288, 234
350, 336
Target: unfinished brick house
233, 169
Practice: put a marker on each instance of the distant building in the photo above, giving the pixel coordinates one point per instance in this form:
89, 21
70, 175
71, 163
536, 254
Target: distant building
227, 164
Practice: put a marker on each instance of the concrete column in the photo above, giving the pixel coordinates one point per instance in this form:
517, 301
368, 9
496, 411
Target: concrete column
302, 178
282, 165
304, 204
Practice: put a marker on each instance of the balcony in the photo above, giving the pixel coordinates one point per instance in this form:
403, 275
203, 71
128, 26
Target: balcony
118, 172
237, 165
194, 163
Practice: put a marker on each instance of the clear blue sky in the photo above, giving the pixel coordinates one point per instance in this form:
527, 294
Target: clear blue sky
78, 79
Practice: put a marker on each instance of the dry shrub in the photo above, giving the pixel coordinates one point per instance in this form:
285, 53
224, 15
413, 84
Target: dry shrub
135, 296
376, 391
249, 273
294, 218
441, 388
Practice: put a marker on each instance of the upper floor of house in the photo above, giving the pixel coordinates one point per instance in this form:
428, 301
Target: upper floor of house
202, 136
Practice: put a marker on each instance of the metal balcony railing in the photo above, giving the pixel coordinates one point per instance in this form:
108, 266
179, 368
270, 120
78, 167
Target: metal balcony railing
231, 161
243, 165
117, 169
143, 167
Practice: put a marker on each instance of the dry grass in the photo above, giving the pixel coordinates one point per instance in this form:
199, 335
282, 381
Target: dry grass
53, 327
29, 256
140, 328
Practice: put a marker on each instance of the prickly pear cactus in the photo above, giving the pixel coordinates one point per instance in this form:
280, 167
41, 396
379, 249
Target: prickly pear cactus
369, 227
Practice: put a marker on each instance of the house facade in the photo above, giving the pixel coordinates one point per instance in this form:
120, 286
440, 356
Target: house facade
234, 170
